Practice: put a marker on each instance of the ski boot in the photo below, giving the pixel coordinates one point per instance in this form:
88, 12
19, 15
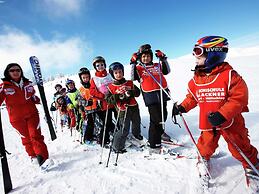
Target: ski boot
203, 168
252, 180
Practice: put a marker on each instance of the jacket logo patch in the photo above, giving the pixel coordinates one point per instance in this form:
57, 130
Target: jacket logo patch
210, 94
9, 91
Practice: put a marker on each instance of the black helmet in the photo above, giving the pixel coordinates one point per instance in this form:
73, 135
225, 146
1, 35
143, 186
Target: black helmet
82, 71
98, 59
115, 66
146, 48
69, 81
58, 85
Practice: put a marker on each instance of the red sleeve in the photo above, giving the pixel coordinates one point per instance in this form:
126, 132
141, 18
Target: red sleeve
237, 100
189, 102
94, 91
2, 94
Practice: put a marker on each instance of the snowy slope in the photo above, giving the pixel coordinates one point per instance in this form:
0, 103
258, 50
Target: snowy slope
78, 169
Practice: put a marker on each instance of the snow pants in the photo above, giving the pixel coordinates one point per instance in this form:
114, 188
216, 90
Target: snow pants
108, 125
237, 133
88, 128
155, 126
30, 132
120, 136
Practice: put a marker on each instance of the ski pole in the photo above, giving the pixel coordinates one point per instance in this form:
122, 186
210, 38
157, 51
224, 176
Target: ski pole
243, 155
184, 122
162, 100
116, 127
197, 149
166, 92
104, 129
123, 126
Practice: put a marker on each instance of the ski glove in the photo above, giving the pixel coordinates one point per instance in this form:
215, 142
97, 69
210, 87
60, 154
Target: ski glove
35, 99
216, 119
52, 107
134, 58
160, 55
129, 93
177, 109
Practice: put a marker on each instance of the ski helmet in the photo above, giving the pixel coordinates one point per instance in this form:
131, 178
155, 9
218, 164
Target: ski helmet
69, 81
115, 66
58, 85
98, 59
146, 48
215, 49
82, 71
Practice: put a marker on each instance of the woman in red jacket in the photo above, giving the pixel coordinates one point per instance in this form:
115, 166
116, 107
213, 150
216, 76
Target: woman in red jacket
19, 96
222, 96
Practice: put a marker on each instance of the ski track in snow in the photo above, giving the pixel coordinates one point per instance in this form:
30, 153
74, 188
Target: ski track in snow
78, 170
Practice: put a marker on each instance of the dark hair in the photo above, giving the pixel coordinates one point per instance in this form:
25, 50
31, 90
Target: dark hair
7, 75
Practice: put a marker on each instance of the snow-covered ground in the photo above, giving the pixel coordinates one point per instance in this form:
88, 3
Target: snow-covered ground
77, 167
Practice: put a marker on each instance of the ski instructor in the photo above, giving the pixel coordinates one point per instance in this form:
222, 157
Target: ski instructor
19, 95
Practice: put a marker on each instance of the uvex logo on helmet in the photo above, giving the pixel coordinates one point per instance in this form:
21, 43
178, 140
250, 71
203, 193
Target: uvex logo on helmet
214, 49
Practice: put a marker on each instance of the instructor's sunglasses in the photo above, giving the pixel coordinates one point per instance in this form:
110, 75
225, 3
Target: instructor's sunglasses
13, 70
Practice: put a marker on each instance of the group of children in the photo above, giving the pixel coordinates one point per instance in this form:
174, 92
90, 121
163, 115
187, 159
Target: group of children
218, 90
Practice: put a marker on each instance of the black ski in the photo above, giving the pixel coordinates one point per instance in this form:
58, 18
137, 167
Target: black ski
38, 77
5, 169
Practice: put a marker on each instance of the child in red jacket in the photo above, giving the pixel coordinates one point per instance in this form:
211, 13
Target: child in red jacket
19, 96
98, 90
122, 94
153, 86
222, 96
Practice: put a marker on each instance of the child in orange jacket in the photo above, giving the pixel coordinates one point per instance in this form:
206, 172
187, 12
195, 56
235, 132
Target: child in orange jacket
222, 96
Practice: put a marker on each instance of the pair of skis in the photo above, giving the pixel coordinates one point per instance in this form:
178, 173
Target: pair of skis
5, 169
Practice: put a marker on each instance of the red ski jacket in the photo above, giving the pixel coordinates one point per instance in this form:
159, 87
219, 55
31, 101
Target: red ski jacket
121, 89
222, 90
20, 99
99, 87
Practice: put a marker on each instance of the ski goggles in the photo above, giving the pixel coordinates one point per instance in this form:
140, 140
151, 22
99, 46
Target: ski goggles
99, 65
198, 51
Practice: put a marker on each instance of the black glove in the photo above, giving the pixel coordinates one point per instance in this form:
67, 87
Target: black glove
160, 55
129, 93
177, 109
134, 58
216, 119
89, 103
52, 107
82, 108
119, 97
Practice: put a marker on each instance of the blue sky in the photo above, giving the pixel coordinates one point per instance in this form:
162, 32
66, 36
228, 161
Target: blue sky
66, 35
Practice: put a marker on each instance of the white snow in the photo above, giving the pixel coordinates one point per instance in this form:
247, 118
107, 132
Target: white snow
77, 167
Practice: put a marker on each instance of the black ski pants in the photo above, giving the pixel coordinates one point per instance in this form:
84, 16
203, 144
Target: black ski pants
155, 125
